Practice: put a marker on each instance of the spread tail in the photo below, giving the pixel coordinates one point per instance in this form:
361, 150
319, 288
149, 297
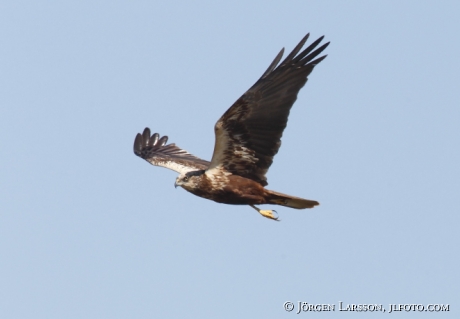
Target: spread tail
289, 201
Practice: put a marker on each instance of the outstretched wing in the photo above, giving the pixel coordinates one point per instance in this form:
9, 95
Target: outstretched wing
249, 134
155, 151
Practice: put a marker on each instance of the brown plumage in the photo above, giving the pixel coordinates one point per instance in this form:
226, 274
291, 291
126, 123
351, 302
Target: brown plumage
248, 136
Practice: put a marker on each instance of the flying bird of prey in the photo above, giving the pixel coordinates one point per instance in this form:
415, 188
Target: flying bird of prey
247, 137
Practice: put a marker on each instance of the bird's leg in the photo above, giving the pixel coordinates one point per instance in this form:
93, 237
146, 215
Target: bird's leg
266, 213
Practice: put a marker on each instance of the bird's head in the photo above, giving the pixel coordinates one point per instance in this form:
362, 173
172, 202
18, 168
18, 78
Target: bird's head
189, 180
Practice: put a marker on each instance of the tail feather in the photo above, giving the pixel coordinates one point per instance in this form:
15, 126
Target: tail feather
290, 201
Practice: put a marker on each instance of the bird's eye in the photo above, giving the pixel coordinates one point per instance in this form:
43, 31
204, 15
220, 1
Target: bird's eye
186, 179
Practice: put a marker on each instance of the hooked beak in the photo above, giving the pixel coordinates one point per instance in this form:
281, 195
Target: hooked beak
175, 185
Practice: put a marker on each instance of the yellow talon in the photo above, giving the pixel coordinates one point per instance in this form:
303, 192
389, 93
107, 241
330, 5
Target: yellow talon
266, 213
269, 214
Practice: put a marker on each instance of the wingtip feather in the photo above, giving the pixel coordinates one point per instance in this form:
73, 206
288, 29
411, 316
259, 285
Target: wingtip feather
137, 143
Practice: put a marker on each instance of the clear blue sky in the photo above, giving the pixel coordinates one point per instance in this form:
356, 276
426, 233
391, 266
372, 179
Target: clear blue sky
89, 230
